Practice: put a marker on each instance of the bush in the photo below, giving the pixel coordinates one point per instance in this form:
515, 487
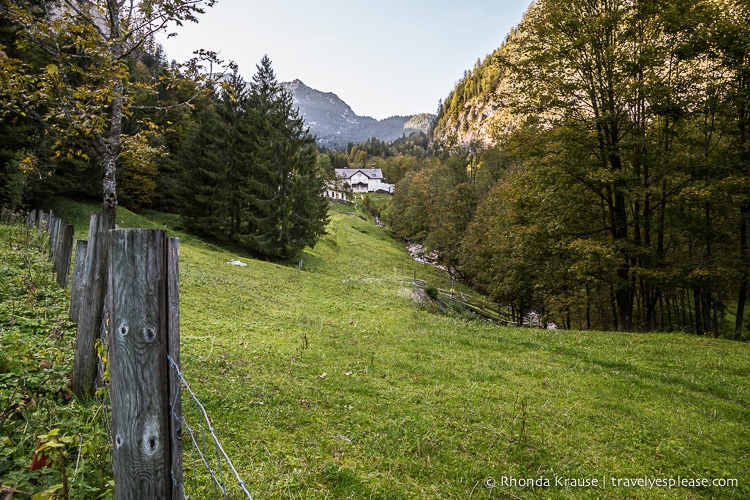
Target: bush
431, 292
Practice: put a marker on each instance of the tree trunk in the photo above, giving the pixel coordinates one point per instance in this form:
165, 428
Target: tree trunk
624, 299
111, 149
110, 153
613, 304
742, 295
624, 289
588, 307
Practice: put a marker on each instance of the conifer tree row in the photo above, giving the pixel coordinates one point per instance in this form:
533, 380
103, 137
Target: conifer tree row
237, 163
255, 175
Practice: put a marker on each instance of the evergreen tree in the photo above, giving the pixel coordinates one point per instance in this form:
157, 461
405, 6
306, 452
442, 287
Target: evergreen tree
237, 148
286, 207
201, 159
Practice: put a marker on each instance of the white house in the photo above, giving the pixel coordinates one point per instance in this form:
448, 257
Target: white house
364, 180
338, 191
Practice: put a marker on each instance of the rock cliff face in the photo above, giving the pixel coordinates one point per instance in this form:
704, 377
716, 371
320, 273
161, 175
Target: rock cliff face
473, 127
335, 125
476, 112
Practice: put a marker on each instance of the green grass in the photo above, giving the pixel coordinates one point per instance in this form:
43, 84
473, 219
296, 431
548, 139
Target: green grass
333, 383
37, 345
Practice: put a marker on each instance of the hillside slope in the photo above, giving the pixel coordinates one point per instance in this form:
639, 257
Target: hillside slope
331, 382
475, 112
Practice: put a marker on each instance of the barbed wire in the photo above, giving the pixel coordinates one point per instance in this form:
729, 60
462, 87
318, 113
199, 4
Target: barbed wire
102, 395
202, 450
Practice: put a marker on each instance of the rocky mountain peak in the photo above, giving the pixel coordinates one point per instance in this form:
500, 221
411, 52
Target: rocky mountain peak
335, 125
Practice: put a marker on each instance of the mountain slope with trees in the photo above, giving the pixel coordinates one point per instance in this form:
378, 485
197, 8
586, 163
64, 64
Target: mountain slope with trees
612, 189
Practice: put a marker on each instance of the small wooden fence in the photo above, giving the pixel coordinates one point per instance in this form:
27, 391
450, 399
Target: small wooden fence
489, 310
125, 294
60, 237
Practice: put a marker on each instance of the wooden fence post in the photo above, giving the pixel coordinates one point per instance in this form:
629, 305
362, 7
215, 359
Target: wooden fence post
138, 333
53, 230
75, 289
10, 217
44, 220
93, 286
63, 252
173, 349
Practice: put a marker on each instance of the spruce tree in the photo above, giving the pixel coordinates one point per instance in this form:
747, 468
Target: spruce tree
237, 147
286, 207
202, 161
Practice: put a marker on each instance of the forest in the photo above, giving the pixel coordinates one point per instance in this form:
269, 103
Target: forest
614, 194
616, 191
90, 108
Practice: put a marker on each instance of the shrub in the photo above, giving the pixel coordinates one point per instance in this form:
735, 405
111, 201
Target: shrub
431, 292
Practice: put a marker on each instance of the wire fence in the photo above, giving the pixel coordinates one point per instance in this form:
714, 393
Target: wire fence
206, 450
203, 447
491, 311
210, 469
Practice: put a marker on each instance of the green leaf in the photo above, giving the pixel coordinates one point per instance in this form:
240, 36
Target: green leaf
45, 495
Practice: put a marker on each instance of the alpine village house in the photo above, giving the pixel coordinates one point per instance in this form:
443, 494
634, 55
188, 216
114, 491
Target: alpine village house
357, 180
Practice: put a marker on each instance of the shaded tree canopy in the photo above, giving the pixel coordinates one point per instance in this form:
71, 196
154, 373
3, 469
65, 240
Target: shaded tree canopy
70, 72
616, 193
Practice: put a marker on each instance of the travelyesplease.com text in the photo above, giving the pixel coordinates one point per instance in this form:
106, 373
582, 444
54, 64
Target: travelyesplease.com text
607, 481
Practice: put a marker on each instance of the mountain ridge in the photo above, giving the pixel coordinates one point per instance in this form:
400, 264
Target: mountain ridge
334, 124
476, 113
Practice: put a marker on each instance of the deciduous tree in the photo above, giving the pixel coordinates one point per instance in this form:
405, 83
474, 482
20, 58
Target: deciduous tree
82, 95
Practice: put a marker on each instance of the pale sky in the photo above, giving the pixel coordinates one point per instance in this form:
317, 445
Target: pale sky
383, 58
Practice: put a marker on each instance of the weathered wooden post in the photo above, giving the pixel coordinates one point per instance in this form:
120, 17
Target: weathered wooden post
173, 350
75, 289
6, 216
138, 303
44, 221
53, 230
93, 288
63, 252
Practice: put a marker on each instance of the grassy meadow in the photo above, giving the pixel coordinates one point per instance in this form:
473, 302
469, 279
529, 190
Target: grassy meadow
333, 382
